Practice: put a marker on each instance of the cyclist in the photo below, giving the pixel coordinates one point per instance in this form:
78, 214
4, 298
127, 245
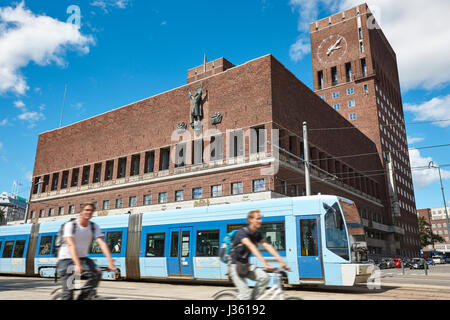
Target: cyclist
244, 243
73, 254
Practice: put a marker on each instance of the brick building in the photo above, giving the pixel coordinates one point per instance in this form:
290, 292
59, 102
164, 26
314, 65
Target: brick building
355, 72
437, 219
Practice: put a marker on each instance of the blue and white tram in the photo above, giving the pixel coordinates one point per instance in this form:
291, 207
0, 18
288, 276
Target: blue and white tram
320, 237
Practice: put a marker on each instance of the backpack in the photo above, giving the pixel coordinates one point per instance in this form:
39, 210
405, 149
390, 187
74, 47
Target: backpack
60, 239
227, 246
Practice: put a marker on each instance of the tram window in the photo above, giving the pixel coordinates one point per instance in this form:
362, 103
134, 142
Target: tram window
8, 249
335, 233
308, 237
155, 245
208, 243
45, 246
273, 233
185, 244
174, 245
19, 249
114, 241
95, 248
0, 246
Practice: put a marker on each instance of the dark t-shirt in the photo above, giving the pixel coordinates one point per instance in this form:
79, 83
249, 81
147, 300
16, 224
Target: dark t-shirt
241, 252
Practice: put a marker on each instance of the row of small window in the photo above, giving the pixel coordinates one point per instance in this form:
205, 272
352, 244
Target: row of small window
208, 241
348, 73
438, 225
350, 104
258, 185
113, 240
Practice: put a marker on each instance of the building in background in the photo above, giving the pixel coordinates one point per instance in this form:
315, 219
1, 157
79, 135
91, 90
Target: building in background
355, 72
13, 208
438, 223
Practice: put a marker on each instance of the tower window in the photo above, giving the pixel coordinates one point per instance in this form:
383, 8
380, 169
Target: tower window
320, 80
334, 78
348, 72
363, 67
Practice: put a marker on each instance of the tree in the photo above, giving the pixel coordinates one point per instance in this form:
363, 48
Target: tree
427, 236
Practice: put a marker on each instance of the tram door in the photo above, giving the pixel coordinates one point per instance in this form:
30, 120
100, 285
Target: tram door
308, 247
179, 262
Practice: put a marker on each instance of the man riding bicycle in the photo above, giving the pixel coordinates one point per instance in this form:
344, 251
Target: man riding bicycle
244, 243
73, 254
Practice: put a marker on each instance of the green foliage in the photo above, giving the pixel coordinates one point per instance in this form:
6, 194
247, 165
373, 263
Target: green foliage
427, 237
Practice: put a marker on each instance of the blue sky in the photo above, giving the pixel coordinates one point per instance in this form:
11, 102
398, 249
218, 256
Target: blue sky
127, 50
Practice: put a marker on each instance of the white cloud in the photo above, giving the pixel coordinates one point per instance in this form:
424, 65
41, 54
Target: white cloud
106, 5
422, 177
26, 37
437, 108
417, 30
19, 104
412, 140
4, 122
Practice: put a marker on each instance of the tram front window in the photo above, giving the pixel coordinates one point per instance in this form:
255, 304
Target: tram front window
336, 235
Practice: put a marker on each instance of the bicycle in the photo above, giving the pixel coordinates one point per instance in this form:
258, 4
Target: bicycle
275, 291
57, 293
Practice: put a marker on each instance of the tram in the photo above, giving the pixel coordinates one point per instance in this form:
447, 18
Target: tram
320, 237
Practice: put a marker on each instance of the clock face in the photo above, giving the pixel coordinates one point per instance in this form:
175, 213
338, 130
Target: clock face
332, 49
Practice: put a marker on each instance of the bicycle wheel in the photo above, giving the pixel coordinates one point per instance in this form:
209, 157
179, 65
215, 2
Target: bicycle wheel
226, 295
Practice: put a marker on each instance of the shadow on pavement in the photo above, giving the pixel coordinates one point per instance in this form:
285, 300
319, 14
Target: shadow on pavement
9, 284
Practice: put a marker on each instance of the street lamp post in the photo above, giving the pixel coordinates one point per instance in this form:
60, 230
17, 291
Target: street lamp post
432, 165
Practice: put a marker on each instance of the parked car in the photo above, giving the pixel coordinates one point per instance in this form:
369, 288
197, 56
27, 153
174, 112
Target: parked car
418, 263
438, 260
390, 263
406, 263
397, 262
381, 264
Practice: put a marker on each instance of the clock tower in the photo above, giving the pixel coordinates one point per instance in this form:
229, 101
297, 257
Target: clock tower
355, 72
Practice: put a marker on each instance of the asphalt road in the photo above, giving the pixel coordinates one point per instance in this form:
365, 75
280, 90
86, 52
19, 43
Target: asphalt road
390, 285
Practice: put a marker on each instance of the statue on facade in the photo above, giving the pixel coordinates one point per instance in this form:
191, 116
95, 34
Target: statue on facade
197, 104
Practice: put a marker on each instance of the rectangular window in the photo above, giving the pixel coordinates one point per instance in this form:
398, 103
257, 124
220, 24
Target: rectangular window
179, 195
121, 168
350, 91
236, 188
335, 94
360, 33
335, 232
258, 139
65, 179
105, 205
132, 201
164, 159
8, 249
361, 46
363, 67
215, 148
109, 170
180, 155
85, 176
119, 203
60, 211
162, 197
352, 116
114, 241
71, 209
155, 245
197, 193
46, 182
274, 234
174, 244
185, 243
149, 162
46, 245
135, 164
197, 151
19, 249
236, 143
334, 77
97, 172
75, 173
259, 185
208, 243
55, 181
216, 191
351, 103
348, 72
337, 106
51, 212
320, 80
308, 238
147, 199
366, 88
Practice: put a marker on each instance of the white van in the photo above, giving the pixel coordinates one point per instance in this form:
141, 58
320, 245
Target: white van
438, 260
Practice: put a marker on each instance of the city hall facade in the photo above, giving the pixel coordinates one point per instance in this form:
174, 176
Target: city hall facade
231, 134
